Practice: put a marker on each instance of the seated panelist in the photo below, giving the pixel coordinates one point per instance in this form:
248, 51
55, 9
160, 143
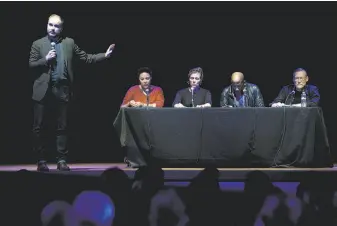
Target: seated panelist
144, 94
290, 95
241, 93
194, 95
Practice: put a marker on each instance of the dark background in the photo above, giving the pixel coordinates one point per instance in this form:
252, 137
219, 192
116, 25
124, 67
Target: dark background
265, 41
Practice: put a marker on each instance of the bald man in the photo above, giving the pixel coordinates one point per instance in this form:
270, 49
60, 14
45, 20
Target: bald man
51, 60
241, 93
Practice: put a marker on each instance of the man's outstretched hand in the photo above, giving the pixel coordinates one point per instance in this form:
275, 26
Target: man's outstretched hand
109, 51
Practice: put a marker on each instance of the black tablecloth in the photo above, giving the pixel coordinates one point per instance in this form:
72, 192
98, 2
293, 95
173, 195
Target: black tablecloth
235, 137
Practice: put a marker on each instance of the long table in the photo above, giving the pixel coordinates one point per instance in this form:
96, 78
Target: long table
224, 137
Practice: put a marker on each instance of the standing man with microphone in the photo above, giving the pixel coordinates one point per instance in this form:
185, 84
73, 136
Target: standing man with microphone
292, 94
51, 58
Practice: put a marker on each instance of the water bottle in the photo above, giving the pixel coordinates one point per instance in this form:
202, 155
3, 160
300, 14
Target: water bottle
303, 99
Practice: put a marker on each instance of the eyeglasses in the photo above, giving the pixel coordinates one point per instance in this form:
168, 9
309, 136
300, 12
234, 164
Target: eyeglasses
299, 78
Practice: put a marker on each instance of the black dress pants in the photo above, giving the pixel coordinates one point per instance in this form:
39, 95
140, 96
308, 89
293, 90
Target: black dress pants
55, 105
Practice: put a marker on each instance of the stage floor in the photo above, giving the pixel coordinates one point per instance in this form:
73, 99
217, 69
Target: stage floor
180, 174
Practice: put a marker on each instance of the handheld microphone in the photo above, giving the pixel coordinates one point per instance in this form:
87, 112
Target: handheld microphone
52, 64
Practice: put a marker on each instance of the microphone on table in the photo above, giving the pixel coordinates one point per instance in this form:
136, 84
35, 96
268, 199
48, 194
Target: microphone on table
147, 93
290, 94
192, 90
147, 97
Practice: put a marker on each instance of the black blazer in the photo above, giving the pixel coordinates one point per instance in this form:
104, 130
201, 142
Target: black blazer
42, 71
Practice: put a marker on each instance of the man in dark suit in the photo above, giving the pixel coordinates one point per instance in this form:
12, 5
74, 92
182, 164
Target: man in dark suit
51, 58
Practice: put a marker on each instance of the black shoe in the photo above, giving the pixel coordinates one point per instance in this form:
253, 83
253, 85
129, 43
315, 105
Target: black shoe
126, 160
42, 167
62, 166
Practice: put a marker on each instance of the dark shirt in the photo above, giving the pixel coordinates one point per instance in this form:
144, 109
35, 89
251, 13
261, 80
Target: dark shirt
297, 97
239, 98
59, 69
238, 94
200, 96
